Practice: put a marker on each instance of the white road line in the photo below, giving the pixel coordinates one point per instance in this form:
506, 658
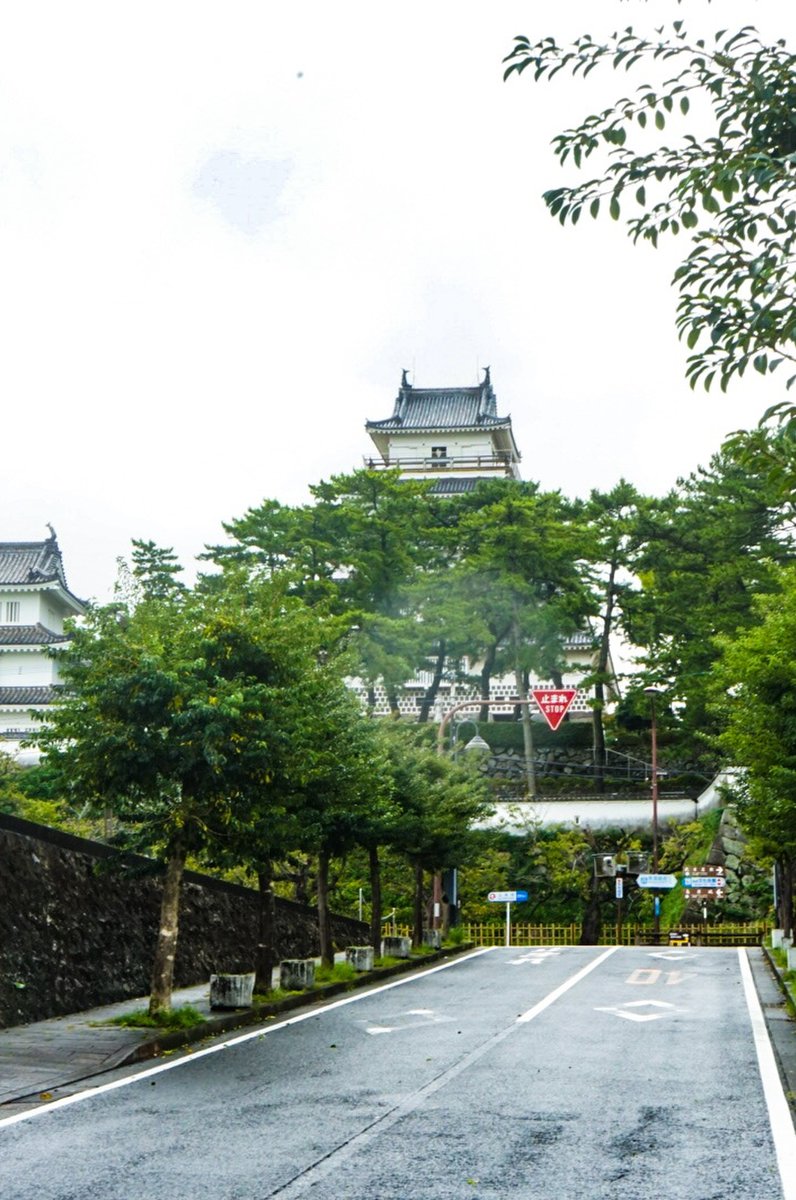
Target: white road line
331, 1162
564, 987
779, 1115
260, 1031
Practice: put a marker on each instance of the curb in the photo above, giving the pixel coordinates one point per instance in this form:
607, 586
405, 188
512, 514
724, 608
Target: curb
241, 1017
778, 973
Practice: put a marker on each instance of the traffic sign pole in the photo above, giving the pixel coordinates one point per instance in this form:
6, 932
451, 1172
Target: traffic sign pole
508, 922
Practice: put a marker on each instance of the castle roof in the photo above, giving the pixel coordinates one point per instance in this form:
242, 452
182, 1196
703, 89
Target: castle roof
29, 635
34, 564
27, 697
461, 408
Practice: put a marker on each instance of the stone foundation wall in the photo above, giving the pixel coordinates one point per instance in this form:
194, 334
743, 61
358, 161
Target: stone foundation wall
78, 925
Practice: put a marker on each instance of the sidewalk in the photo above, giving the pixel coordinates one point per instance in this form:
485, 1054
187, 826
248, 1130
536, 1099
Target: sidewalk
39, 1059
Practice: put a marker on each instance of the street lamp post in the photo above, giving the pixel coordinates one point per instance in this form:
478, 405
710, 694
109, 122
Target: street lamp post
653, 694
476, 742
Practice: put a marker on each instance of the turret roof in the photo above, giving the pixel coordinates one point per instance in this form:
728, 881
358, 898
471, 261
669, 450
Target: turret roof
29, 635
29, 563
444, 408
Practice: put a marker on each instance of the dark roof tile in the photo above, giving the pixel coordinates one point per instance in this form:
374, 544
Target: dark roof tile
29, 635
444, 408
28, 696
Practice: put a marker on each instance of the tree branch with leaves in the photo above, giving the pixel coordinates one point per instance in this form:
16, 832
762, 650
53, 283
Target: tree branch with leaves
732, 191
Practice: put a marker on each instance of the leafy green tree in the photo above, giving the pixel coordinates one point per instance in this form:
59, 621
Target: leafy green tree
530, 549
612, 520
355, 550
754, 691
343, 784
732, 192
438, 803
705, 551
171, 716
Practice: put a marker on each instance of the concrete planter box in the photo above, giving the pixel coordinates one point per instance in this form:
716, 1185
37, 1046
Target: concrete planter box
360, 957
396, 947
231, 991
776, 939
296, 974
791, 959
432, 938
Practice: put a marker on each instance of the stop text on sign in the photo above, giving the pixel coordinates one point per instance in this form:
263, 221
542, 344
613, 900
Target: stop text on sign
553, 703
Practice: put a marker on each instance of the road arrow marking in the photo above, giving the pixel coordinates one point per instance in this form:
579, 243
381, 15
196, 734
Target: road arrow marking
536, 957
410, 1018
622, 1010
673, 955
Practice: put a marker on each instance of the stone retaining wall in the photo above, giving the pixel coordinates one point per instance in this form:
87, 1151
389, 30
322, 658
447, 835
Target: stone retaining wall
78, 925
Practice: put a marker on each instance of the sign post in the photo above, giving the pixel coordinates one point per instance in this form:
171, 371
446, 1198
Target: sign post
508, 898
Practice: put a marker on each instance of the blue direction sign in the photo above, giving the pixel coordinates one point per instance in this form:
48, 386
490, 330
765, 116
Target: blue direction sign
704, 881
657, 881
515, 897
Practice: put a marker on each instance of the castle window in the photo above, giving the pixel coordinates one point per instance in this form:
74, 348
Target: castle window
439, 452
12, 612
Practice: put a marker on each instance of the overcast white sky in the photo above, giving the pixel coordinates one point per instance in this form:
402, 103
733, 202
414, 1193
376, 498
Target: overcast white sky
226, 228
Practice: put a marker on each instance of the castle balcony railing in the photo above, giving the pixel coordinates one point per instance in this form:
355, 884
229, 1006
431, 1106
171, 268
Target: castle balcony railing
501, 461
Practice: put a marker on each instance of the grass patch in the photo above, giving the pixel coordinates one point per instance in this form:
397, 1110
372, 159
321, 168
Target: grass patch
184, 1017
274, 996
341, 972
455, 935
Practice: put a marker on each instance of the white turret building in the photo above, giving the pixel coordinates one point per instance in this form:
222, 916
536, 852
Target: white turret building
451, 435
455, 437
34, 603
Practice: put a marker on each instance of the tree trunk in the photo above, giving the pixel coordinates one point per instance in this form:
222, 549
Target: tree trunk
486, 678
417, 931
431, 691
264, 961
527, 733
375, 900
590, 935
324, 923
392, 700
166, 946
598, 730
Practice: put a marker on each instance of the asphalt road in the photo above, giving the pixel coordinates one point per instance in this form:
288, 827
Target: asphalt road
624, 1074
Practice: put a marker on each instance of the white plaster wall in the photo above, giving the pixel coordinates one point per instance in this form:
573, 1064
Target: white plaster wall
29, 607
30, 668
417, 446
39, 607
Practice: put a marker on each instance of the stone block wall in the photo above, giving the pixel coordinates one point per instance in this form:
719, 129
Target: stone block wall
78, 925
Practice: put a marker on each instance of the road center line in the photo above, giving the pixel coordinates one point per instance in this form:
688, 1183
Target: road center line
330, 1162
260, 1031
779, 1116
564, 987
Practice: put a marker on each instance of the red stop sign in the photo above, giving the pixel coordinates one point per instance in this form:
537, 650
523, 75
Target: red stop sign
553, 703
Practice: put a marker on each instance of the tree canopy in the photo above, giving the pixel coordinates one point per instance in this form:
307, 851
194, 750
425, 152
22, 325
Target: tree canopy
731, 191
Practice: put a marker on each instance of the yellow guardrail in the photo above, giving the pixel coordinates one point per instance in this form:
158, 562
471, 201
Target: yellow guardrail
494, 934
